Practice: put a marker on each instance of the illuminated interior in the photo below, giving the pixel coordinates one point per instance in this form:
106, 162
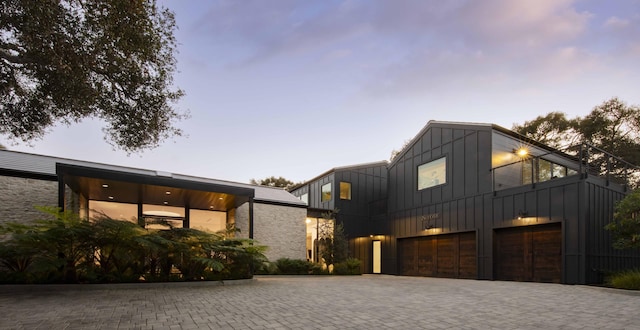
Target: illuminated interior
317, 227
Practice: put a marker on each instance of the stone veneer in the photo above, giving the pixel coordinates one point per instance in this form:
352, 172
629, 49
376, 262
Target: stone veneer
281, 228
20, 196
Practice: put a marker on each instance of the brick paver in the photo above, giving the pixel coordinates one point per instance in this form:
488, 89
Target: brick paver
320, 302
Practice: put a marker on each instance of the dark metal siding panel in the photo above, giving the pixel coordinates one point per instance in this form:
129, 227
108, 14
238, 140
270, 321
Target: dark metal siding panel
601, 257
484, 162
471, 164
458, 165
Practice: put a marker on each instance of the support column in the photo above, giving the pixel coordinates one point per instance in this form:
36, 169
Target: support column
141, 221
61, 192
186, 223
251, 218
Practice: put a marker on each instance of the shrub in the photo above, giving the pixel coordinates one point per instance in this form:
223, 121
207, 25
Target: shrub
68, 249
629, 280
349, 267
288, 266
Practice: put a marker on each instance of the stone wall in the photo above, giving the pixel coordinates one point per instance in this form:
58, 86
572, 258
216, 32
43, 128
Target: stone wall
20, 196
281, 228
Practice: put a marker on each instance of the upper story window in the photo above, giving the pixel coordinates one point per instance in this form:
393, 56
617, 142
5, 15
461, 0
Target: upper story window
345, 190
325, 192
432, 173
305, 198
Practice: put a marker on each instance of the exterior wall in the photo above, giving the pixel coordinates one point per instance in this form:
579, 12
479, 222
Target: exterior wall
460, 205
281, 228
315, 200
600, 257
20, 196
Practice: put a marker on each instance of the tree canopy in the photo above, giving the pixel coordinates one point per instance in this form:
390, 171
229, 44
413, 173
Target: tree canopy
63, 61
612, 126
626, 225
272, 181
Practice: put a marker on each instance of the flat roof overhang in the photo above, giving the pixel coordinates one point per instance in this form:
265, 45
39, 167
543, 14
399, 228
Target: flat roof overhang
160, 189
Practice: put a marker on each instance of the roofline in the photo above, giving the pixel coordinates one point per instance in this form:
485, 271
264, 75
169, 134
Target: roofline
339, 168
159, 180
432, 123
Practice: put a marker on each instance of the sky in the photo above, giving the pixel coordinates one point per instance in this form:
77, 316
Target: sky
296, 88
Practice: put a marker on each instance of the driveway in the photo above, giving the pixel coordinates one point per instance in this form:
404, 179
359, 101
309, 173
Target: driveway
320, 302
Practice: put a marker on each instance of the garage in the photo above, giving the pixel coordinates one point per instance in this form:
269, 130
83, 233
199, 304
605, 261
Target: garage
451, 255
531, 253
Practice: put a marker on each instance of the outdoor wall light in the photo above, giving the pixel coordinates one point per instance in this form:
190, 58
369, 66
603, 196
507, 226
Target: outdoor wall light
521, 152
522, 214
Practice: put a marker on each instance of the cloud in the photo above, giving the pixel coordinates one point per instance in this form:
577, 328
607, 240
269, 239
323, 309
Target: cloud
616, 23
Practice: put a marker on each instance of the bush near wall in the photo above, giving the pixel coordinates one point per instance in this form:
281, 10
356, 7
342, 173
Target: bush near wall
629, 279
349, 267
69, 249
286, 266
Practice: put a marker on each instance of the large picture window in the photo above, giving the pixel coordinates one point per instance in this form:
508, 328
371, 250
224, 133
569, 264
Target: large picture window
325, 192
432, 173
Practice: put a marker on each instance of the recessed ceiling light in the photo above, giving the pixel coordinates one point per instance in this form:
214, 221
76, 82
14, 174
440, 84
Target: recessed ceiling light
165, 202
110, 197
220, 198
104, 185
168, 193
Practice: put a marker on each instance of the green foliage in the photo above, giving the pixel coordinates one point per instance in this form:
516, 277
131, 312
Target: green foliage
272, 181
612, 126
553, 129
333, 245
67, 249
625, 227
629, 280
351, 266
63, 61
288, 266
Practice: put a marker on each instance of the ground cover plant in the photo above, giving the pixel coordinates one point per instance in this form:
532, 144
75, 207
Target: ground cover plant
65, 248
628, 279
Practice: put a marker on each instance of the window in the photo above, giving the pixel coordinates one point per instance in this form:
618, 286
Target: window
305, 198
432, 173
345, 190
325, 192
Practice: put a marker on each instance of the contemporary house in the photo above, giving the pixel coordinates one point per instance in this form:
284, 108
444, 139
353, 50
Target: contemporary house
475, 201
271, 216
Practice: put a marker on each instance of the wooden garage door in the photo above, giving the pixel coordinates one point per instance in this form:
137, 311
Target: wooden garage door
532, 253
452, 256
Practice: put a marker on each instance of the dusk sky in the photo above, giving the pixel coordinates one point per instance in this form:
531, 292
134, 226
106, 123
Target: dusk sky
295, 88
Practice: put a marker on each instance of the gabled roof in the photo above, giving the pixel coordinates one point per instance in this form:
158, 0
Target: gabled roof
341, 168
435, 123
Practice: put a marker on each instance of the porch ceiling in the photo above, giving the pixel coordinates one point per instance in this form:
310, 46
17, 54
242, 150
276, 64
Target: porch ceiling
111, 186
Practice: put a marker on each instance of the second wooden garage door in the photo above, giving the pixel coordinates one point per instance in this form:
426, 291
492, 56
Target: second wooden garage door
532, 253
452, 256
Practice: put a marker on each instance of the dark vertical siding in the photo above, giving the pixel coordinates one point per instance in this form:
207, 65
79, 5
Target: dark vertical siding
601, 257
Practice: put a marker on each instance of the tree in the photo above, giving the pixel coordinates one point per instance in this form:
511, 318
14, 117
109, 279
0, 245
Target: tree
332, 241
272, 181
612, 127
63, 61
626, 222
553, 129
395, 153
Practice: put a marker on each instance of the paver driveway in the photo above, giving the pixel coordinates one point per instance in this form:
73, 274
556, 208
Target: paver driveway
321, 302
